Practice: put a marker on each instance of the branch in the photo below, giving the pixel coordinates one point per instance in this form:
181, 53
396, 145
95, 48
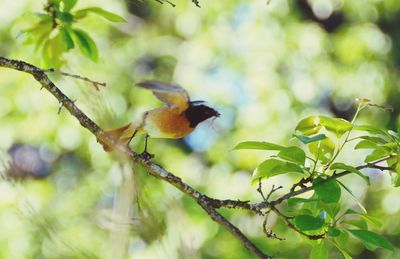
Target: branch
304, 189
94, 83
153, 169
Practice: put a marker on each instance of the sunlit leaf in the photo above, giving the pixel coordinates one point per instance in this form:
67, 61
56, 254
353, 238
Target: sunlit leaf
52, 52
391, 146
377, 154
44, 17
344, 167
371, 240
260, 145
69, 4
309, 126
319, 251
376, 140
328, 190
99, 11
308, 222
337, 126
293, 154
365, 144
323, 149
272, 167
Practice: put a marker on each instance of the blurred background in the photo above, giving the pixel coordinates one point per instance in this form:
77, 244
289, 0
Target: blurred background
263, 66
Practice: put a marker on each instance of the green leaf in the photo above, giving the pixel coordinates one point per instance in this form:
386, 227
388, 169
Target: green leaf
365, 144
38, 34
371, 240
65, 17
66, 36
394, 134
307, 222
308, 140
69, 4
354, 197
333, 232
376, 140
361, 224
350, 211
309, 126
328, 190
377, 154
391, 146
293, 201
260, 145
319, 251
272, 167
371, 219
86, 44
112, 17
344, 253
293, 154
323, 149
342, 239
52, 52
336, 126
396, 180
344, 167
44, 17
371, 129
331, 208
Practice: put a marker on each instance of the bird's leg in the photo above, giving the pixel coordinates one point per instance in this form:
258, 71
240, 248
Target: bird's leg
145, 155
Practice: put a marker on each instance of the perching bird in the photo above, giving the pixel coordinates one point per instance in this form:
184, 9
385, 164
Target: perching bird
176, 119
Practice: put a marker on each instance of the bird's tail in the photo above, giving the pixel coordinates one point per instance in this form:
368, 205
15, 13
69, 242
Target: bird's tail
121, 135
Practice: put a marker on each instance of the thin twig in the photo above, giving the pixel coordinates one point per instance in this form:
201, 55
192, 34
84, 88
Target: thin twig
290, 225
301, 183
273, 190
259, 189
268, 232
94, 83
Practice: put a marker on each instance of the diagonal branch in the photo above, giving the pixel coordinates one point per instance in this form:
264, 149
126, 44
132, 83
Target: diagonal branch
153, 169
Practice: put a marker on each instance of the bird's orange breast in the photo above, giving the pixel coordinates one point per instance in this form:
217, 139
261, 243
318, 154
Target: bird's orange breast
167, 123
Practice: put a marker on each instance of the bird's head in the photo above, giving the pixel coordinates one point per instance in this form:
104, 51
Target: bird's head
198, 112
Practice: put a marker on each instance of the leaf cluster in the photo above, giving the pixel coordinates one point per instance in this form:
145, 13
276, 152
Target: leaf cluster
320, 140
56, 33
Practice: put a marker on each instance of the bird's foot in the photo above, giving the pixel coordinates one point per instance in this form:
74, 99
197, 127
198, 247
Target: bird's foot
146, 156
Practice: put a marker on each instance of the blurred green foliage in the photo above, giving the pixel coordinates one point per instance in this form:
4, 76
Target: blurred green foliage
263, 67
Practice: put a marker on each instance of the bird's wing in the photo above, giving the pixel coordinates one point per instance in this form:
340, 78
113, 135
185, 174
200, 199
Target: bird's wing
171, 95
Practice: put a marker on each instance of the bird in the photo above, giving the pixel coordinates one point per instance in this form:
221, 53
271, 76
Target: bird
176, 119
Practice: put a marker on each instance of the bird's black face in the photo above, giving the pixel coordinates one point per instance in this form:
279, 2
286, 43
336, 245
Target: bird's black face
198, 113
